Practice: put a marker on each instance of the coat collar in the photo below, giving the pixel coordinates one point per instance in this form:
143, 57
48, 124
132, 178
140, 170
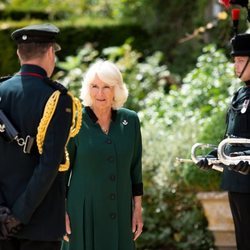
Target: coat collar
32, 69
94, 118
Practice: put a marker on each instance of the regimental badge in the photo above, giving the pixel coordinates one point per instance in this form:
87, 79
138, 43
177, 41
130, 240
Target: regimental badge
245, 106
24, 37
2, 128
124, 122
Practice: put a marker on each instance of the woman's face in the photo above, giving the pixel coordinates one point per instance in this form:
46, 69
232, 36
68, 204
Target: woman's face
102, 94
239, 64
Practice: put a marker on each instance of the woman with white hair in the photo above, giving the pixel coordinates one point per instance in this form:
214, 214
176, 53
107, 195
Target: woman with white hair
104, 197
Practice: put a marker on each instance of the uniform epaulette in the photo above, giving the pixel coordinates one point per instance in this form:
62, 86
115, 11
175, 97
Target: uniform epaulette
4, 78
56, 85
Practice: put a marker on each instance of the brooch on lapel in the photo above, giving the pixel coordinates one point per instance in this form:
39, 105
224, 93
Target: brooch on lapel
124, 122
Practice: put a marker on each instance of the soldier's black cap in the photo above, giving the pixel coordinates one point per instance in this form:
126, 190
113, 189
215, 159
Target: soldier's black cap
38, 33
241, 45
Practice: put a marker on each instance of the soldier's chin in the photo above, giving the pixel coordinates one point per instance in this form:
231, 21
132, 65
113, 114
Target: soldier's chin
243, 78
238, 75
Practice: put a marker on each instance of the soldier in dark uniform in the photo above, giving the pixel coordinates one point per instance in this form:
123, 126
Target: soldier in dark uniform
32, 189
236, 178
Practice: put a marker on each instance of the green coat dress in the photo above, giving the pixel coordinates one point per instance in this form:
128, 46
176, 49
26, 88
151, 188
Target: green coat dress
106, 174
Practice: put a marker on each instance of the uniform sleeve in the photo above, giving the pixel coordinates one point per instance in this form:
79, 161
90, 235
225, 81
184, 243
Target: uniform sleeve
46, 171
72, 149
2, 201
136, 169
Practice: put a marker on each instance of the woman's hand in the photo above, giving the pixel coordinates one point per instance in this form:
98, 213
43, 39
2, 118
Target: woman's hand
137, 222
68, 229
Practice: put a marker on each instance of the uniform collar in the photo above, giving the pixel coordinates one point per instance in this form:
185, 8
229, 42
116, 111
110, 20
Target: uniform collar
94, 118
31, 68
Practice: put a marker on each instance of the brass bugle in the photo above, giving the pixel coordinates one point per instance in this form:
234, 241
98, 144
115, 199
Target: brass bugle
194, 159
223, 158
232, 160
181, 160
215, 162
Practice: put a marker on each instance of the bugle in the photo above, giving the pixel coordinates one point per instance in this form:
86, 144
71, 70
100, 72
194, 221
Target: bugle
215, 162
223, 158
194, 158
232, 160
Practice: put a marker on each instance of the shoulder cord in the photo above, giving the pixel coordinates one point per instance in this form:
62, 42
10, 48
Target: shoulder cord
47, 116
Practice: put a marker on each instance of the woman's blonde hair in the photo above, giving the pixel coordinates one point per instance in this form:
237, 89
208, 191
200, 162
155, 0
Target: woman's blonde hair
109, 73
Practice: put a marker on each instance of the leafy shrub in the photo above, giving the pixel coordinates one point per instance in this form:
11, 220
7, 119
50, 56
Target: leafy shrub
201, 101
171, 125
173, 217
205, 91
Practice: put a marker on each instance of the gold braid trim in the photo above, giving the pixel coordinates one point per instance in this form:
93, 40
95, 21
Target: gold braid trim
76, 117
44, 123
47, 116
74, 129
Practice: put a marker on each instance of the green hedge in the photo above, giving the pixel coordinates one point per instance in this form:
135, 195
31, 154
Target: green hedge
9, 62
22, 14
102, 37
73, 38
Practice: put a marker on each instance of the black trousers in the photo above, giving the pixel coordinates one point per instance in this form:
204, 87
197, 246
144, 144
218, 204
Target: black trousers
240, 207
20, 244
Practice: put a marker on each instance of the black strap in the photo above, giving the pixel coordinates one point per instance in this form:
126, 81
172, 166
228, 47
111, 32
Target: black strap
242, 72
10, 134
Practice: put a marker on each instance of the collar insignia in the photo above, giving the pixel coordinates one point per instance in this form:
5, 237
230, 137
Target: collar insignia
2, 128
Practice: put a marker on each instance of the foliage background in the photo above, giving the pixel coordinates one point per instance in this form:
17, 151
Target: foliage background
179, 89
110, 22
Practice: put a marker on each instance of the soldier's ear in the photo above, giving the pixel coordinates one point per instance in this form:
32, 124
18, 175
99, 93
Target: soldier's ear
19, 56
50, 52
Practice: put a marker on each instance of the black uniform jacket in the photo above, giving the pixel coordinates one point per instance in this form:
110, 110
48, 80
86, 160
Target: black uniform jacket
30, 184
238, 125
